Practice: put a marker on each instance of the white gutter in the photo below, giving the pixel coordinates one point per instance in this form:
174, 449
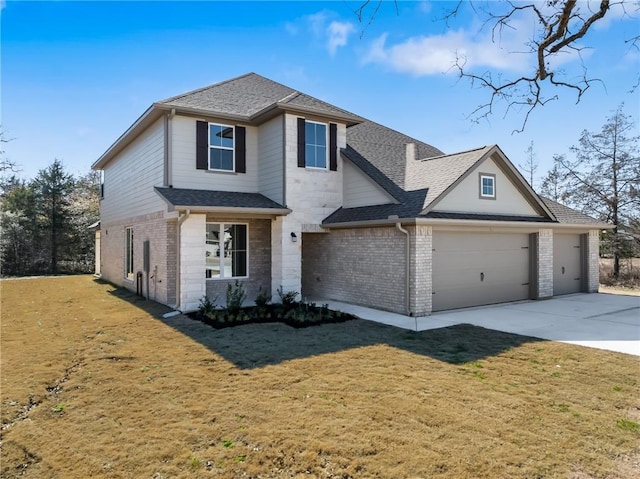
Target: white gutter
407, 266
181, 220
234, 209
459, 222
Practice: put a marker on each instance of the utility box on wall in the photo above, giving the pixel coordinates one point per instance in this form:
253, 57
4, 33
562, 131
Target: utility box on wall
145, 257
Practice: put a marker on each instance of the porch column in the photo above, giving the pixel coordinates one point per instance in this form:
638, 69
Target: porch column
192, 250
286, 255
421, 285
593, 261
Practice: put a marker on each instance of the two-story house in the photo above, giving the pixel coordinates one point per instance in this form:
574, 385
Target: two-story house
249, 179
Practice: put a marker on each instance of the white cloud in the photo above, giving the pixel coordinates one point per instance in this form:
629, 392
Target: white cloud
435, 54
324, 28
338, 33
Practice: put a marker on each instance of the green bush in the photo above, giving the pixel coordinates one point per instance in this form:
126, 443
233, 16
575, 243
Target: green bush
207, 306
288, 298
263, 298
235, 297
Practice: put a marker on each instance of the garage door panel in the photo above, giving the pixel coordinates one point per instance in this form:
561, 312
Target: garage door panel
475, 269
567, 264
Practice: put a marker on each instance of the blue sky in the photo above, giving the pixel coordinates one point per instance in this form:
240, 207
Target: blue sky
75, 75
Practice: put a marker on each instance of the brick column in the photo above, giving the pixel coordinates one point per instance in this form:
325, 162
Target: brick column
421, 277
545, 263
593, 261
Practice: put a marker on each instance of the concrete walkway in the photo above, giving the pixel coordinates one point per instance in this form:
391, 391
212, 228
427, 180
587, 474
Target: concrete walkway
603, 321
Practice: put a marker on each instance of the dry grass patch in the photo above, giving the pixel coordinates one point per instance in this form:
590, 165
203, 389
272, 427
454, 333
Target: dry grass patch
629, 278
95, 385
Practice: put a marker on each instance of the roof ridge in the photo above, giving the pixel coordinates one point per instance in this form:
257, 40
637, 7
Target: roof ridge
290, 96
456, 153
197, 90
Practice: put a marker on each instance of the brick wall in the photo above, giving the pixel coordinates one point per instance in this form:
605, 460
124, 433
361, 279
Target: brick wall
361, 266
421, 266
152, 227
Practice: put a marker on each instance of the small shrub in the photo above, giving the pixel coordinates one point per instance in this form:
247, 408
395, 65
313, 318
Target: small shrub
288, 298
235, 297
263, 298
207, 306
628, 425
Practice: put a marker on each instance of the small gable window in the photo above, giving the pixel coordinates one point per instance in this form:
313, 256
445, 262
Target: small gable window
487, 186
220, 147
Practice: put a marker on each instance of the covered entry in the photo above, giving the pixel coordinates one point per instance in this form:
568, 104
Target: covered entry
472, 269
567, 264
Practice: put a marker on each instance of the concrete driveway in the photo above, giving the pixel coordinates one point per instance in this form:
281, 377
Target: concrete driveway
603, 321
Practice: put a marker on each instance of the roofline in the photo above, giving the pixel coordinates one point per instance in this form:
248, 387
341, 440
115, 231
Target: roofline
142, 123
513, 172
460, 222
233, 210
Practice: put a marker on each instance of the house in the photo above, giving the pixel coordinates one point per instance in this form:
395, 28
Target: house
249, 179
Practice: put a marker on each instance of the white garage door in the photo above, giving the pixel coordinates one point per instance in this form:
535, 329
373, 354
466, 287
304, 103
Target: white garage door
471, 269
567, 264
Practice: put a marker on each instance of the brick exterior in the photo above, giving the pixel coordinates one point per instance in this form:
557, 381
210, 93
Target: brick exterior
259, 262
544, 263
421, 296
593, 261
152, 227
361, 266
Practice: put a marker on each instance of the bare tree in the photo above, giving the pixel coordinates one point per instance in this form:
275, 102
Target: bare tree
530, 165
5, 163
604, 178
553, 185
559, 26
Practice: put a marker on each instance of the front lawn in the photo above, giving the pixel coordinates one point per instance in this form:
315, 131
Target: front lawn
96, 384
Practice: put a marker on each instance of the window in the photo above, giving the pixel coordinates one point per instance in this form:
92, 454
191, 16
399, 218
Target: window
128, 253
220, 147
226, 251
315, 145
487, 186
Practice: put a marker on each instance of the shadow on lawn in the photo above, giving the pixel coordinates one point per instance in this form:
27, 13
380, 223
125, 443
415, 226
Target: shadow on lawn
258, 345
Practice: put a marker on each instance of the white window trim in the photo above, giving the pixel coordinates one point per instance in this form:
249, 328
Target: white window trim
128, 230
224, 278
326, 147
233, 148
491, 177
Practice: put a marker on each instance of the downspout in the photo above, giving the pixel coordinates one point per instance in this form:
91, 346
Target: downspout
181, 220
407, 265
169, 155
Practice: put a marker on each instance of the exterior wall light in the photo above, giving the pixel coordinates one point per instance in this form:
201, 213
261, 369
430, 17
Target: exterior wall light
294, 238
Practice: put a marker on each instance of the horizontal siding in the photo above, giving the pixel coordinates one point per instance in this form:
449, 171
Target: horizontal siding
271, 160
183, 161
130, 177
359, 190
464, 198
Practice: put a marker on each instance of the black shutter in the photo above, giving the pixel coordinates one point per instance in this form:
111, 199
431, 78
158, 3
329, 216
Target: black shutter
202, 145
241, 149
301, 143
333, 147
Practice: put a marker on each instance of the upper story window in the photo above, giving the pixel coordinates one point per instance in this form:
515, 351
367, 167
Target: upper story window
221, 147
487, 186
315, 145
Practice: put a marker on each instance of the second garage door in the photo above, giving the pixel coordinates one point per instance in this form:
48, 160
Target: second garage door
472, 269
567, 264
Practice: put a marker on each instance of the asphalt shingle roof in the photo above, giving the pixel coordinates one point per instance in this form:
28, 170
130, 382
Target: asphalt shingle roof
385, 148
207, 198
248, 95
567, 215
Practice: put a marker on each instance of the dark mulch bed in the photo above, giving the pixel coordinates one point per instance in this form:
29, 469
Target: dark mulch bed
296, 315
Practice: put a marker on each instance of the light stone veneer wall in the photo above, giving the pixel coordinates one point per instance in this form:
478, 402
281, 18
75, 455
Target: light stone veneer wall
362, 266
421, 260
192, 254
152, 227
312, 195
593, 261
545, 263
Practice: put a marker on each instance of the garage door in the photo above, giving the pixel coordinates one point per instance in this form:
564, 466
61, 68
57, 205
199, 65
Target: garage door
471, 269
566, 264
